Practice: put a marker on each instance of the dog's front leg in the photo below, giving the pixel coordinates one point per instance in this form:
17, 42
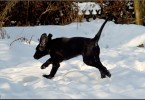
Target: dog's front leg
47, 63
53, 71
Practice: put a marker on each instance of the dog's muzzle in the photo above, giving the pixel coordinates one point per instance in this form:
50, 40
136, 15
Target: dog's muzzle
35, 57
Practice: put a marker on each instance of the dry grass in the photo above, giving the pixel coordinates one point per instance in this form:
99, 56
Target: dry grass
3, 14
22, 39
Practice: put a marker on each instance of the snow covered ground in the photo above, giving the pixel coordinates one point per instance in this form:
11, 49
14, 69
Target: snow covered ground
21, 76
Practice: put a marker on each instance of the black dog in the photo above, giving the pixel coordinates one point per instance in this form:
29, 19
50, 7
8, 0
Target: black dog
61, 49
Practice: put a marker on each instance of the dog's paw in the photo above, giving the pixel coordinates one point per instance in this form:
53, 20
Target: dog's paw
43, 67
48, 76
104, 74
108, 74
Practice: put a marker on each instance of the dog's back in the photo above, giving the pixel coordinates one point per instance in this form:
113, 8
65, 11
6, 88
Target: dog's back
68, 47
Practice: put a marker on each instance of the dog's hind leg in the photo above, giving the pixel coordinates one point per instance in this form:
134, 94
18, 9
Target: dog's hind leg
95, 62
103, 70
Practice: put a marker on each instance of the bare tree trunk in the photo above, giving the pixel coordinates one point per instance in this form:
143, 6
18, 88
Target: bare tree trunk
138, 12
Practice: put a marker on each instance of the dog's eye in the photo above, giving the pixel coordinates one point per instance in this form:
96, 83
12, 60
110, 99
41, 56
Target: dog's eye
41, 48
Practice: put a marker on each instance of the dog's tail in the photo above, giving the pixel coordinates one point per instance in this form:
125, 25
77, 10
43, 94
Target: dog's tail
97, 36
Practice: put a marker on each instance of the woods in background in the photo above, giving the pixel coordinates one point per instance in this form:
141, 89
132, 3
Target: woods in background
23, 13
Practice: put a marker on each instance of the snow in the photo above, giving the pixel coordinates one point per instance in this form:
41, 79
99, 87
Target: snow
21, 76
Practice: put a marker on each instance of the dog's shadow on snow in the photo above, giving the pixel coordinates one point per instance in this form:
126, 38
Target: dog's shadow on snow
80, 76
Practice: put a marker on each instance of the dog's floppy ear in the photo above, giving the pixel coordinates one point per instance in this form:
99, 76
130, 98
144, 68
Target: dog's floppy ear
43, 39
49, 36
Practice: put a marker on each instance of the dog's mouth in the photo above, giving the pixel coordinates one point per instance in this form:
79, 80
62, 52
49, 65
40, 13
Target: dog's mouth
39, 55
36, 57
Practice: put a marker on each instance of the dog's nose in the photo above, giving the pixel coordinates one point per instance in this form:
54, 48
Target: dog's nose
35, 57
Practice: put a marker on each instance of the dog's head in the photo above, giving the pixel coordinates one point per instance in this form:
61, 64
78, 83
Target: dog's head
42, 48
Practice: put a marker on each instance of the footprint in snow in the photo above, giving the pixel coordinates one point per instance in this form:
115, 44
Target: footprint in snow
29, 79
